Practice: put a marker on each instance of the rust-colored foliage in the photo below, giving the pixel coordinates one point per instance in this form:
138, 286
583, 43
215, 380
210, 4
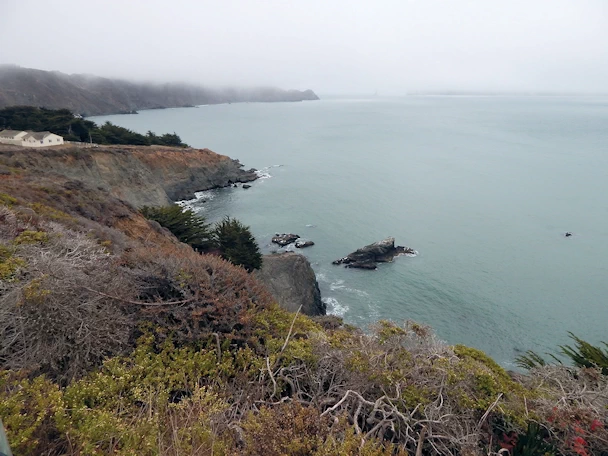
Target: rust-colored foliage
190, 295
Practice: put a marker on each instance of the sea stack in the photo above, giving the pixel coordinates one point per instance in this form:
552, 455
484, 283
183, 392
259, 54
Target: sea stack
369, 256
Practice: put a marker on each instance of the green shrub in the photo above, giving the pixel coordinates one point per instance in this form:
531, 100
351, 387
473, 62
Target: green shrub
237, 244
9, 264
32, 237
187, 226
583, 354
7, 200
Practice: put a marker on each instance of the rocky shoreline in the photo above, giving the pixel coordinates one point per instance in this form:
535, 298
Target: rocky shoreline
140, 175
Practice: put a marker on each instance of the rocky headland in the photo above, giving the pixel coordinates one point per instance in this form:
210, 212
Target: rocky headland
369, 256
140, 175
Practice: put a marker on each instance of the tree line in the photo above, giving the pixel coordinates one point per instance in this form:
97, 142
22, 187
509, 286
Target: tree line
229, 238
74, 128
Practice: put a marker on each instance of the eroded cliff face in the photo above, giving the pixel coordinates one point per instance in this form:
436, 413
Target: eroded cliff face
140, 175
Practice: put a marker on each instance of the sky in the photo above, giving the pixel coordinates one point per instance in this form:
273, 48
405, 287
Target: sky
392, 47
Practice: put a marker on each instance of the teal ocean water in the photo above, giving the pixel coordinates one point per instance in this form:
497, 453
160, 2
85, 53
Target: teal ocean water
482, 187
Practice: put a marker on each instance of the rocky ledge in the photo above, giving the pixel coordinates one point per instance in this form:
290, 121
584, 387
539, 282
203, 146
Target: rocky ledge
369, 256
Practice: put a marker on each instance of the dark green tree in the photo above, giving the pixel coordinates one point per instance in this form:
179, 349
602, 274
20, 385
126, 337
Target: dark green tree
236, 244
186, 225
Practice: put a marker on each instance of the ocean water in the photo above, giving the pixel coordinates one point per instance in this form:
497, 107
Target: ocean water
484, 188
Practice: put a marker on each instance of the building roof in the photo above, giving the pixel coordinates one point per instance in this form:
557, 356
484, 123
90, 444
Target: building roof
37, 134
10, 133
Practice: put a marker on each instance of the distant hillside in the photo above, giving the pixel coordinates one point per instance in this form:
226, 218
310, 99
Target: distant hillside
92, 95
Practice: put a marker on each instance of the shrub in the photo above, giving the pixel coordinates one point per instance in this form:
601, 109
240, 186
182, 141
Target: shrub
31, 411
583, 354
237, 244
187, 226
60, 317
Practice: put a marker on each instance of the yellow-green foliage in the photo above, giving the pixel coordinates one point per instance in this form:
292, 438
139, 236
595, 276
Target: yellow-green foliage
9, 263
146, 404
272, 326
478, 381
7, 200
351, 444
386, 330
50, 212
33, 292
32, 237
30, 410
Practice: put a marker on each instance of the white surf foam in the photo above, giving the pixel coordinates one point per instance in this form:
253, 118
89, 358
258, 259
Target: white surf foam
334, 307
198, 198
321, 277
337, 285
361, 293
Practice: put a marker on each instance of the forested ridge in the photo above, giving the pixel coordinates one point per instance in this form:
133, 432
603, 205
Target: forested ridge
89, 95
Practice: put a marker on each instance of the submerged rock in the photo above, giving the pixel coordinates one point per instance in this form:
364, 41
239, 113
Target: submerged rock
284, 239
379, 252
246, 186
291, 280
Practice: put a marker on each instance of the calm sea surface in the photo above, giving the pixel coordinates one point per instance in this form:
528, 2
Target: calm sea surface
482, 187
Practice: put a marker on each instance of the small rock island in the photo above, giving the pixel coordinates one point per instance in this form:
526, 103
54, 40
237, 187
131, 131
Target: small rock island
369, 256
290, 238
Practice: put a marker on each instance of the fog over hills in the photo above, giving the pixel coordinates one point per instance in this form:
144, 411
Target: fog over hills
91, 95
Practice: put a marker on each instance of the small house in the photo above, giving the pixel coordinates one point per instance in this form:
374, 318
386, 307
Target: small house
41, 139
12, 137
30, 138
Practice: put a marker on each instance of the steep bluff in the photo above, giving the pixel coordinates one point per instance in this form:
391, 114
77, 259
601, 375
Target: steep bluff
140, 175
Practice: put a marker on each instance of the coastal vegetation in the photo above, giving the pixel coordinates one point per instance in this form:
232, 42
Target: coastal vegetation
117, 338
74, 128
187, 226
229, 238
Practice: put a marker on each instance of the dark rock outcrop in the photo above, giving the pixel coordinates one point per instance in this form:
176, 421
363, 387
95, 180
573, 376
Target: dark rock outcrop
92, 95
284, 239
379, 252
301, 243
291, 280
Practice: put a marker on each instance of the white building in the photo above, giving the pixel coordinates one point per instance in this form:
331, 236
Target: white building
12, 137
30, 138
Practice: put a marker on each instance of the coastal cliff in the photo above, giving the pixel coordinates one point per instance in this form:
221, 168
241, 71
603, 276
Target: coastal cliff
91, 95
106, 318
140, 175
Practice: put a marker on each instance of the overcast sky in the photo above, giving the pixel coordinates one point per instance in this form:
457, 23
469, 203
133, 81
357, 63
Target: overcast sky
330, 46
